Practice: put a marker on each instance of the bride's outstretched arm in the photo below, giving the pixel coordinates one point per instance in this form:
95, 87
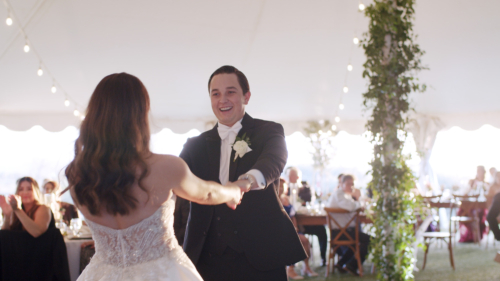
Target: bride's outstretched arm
203, 192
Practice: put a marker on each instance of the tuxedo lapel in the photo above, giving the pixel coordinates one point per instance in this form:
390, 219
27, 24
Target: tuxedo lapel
213, 149
247, 129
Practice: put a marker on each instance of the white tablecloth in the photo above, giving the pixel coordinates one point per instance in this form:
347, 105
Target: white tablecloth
73, 247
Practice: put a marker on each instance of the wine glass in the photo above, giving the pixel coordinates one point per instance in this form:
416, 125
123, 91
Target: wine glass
61, 225
75, 226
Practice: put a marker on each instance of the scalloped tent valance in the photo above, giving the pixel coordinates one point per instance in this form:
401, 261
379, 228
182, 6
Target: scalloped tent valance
295, 58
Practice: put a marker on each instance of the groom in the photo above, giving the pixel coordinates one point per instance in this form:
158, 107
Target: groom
257, 240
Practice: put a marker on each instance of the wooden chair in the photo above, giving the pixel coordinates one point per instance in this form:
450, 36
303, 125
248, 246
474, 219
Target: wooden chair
468, 207
445, 236
342, 238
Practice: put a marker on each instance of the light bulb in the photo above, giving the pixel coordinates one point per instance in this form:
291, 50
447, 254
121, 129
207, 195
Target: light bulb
355, 40
337, 119
334, 127
82, 117
349, 67
66, 103
345, 89
26, 48
8, 21
341, 106
40, 71
320, 132
76, 112
361, 6
53, 89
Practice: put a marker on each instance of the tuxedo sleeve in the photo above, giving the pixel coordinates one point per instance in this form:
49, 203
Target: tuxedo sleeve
493, 215
272, 160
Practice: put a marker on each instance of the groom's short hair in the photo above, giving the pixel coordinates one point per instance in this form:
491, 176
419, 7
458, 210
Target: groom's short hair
228, 69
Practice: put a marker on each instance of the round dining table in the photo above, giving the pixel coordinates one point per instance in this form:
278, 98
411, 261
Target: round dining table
73, 248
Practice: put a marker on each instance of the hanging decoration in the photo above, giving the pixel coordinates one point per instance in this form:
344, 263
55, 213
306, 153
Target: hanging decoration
345, 88
42, 69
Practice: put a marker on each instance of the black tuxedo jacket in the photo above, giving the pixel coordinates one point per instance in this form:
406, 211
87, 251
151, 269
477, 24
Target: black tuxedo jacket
264, 231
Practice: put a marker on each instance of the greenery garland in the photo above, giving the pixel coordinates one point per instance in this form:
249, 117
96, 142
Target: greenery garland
393, 60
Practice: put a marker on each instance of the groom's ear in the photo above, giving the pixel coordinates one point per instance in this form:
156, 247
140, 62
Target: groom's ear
247, 96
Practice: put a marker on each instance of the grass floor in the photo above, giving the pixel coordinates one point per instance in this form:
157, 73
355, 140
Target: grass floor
472, 262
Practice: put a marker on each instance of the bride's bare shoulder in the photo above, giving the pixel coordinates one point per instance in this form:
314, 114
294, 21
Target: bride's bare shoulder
168, 165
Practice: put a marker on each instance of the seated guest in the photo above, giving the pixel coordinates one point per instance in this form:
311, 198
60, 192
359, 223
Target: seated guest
493, 216
305, 193
346, 197
68, 211
294, 175
23, 210
493, 172
494, 189
285, 201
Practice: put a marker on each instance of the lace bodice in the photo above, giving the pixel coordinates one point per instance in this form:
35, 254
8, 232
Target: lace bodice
148, 240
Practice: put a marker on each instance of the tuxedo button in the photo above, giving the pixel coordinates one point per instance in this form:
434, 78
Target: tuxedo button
218, 234
218, 218
204, 233
236, 232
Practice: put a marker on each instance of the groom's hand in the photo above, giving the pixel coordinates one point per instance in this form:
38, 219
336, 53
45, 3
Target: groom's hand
244, 186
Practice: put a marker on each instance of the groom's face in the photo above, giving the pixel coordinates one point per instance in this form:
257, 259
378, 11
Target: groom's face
227, 98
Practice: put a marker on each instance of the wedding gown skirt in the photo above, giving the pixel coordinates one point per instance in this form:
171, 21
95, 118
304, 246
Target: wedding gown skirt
147, 250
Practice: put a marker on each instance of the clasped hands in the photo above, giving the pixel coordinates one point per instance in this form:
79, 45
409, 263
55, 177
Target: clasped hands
245, 186
10, 204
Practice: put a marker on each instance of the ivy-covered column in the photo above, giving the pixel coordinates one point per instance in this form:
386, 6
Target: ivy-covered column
393, 59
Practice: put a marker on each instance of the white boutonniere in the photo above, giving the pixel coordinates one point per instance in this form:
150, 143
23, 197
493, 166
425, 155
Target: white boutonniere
241, 146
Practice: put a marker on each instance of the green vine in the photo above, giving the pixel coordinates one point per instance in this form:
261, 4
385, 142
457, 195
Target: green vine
320, 134
393, 60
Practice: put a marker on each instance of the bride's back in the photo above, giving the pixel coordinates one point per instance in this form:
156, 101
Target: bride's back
158, 185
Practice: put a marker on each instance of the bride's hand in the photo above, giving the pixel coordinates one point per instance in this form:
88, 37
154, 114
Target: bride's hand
237, 194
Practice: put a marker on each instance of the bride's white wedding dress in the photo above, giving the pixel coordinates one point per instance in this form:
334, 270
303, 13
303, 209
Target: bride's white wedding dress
147, 250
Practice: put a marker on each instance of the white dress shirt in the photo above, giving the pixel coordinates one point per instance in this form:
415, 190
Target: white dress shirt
339, 199
225, 156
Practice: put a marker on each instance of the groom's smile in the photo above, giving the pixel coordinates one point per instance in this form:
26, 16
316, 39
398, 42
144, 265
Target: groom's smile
227, 98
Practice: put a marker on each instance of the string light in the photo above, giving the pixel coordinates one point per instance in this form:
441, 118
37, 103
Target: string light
337, 119
361, 7
355, 40
345, 89
82, 117
334, 127
11, 15
349, 67
341, 106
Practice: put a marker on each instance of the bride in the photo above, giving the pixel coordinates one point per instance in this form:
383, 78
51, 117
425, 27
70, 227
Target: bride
127, 194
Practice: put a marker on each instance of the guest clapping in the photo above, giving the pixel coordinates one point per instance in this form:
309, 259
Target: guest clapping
23, 211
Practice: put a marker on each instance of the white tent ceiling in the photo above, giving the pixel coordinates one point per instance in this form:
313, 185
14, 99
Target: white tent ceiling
294, 53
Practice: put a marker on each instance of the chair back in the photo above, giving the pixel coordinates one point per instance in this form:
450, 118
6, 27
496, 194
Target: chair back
342, 237
452, 206
468, 203
429, 199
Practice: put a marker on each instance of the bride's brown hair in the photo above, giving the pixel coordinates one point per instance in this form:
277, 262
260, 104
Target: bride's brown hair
113, 142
